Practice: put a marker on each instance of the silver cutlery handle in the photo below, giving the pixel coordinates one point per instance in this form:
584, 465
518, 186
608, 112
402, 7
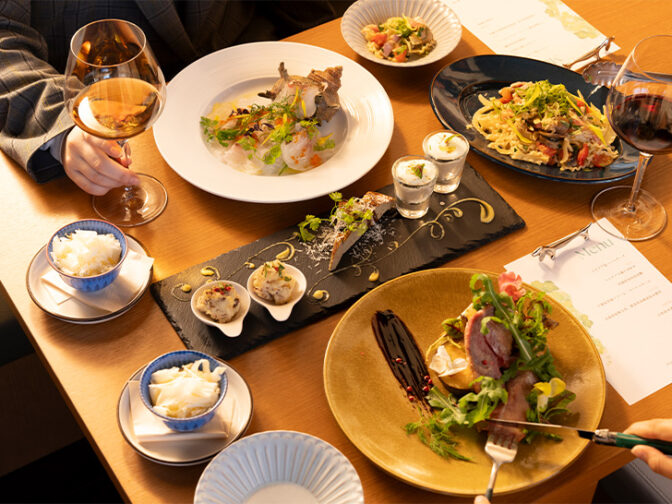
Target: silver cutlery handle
493, 478
606, 43
550, 249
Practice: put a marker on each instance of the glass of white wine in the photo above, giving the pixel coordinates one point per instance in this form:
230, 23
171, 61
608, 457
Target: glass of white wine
114, 89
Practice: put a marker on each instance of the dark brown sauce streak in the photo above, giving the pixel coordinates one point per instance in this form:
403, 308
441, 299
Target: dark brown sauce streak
397, 342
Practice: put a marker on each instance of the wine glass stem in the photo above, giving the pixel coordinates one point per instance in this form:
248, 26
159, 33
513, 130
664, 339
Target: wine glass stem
125, 155
643, 162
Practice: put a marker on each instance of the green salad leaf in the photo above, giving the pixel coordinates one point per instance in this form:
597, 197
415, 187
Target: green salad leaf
527, 319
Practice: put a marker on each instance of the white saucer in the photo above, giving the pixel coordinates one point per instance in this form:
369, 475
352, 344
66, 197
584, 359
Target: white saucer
186, 453
66, 311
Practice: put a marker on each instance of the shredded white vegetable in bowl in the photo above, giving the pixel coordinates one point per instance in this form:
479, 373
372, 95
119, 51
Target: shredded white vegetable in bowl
543, 123
187, 391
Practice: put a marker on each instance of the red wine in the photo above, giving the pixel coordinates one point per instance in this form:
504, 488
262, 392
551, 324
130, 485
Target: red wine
117, 108
645, 122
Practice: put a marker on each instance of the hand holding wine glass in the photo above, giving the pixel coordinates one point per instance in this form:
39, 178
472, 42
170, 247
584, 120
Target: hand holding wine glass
639, 108
116, 90
95, 164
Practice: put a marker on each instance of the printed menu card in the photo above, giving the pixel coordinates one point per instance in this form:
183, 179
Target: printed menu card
545, 30
623, 301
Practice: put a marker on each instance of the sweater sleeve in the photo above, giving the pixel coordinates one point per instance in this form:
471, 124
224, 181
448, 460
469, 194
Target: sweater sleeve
31, 94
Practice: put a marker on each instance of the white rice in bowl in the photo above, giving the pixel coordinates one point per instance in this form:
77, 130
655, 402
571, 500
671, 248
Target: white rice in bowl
85, 253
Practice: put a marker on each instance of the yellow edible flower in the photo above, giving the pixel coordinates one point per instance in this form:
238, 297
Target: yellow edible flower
549, 389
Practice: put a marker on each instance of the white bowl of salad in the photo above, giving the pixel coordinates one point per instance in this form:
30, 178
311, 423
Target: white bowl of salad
401, 32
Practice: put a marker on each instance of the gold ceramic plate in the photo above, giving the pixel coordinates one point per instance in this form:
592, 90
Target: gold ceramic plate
372, 409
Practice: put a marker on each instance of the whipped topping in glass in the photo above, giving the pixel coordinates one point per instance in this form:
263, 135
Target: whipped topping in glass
415, 171
414, 178
448, 150
445, 145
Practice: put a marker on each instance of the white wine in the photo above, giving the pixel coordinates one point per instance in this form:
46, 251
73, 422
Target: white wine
116, 108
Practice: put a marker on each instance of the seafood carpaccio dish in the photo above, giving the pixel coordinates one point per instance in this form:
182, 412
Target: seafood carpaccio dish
281, 131
490, 361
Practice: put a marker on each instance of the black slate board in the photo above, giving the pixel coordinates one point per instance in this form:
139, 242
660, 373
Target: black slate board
454, 225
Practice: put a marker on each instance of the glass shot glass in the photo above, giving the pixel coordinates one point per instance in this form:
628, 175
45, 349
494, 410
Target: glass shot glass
414, 179
448, 151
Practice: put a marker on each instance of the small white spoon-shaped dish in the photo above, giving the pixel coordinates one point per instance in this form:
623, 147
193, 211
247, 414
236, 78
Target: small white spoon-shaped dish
283, 311
234, 327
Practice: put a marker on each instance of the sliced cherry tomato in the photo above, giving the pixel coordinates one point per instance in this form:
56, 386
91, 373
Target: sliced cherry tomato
401, 57
601, 160
549, 151
507, 95
379, 39
582, 155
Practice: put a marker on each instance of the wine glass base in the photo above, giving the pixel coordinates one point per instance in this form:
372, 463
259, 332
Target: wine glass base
139, 205
646, 221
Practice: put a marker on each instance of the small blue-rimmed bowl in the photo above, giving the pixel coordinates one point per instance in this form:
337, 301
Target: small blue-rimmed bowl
96, 282
177, 359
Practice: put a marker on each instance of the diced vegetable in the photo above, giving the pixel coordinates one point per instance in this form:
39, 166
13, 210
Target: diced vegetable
400, 57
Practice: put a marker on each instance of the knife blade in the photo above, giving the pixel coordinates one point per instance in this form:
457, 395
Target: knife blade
599, 436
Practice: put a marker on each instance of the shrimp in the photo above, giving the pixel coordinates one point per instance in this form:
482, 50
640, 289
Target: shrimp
299, 153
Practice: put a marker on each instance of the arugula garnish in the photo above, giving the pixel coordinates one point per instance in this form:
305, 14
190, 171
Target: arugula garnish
345, 215
504, 311
434, 430
527, 321
479, 406
434, 433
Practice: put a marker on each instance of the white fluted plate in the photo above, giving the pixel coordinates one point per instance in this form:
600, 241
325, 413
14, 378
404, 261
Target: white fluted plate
441, 20
279, 467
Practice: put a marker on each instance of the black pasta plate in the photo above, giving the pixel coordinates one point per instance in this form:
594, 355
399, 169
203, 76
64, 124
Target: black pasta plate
454, 97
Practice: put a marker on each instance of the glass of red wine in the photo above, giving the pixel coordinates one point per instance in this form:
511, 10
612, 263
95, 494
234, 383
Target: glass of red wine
639, 108
114, 89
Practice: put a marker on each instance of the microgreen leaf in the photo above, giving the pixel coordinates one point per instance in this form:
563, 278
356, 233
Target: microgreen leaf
418, 169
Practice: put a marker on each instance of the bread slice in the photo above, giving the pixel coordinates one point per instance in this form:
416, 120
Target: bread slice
378, 203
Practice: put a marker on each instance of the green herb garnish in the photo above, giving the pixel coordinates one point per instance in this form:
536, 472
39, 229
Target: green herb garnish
418, 169
526, 319
345, 215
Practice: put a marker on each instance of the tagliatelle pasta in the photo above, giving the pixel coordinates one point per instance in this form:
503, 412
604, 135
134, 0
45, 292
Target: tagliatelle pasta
543, 123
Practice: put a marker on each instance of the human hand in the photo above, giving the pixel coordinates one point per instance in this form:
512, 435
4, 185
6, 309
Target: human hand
481, 499
88, 161
659, 428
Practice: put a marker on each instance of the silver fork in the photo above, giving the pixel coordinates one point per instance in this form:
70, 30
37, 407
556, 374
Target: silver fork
502, 449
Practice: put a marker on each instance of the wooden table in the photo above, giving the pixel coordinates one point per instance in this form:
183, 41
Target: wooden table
90, 364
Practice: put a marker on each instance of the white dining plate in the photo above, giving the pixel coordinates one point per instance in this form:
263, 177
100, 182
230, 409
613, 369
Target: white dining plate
72, 310
236, 412
279, 467
362, 129
441, 20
